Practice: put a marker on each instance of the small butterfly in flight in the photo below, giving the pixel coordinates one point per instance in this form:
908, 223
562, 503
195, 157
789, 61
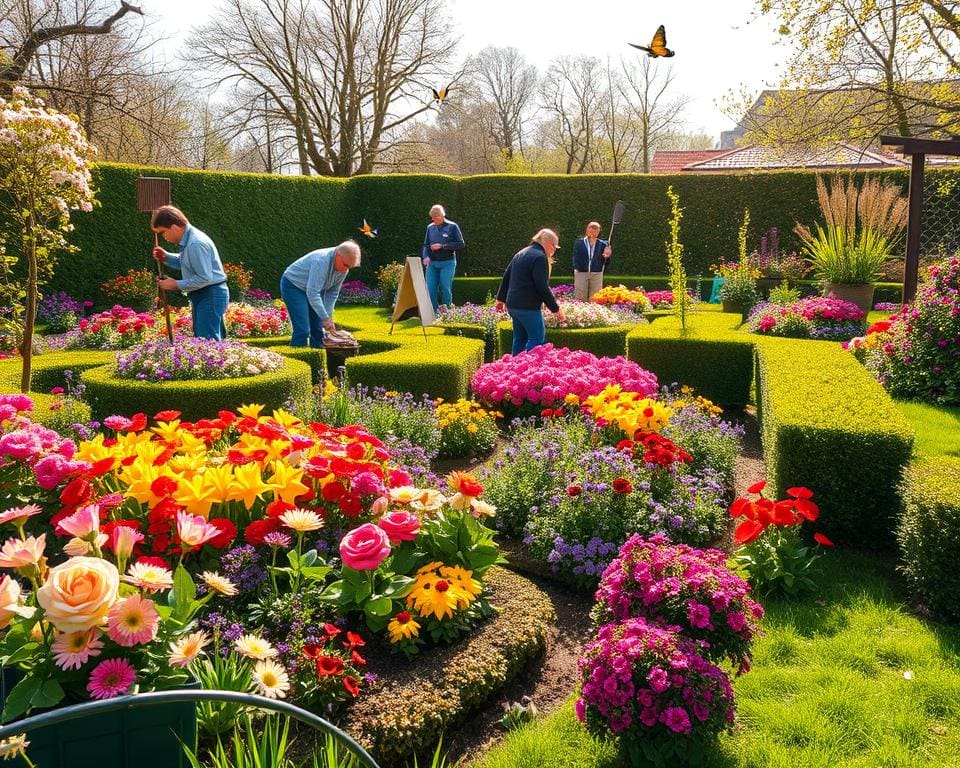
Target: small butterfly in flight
441, 94
367, 230
658, 46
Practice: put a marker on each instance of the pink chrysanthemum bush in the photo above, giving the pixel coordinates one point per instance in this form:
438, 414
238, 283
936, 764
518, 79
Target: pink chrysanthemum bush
682, 586
546, 375
649, 686
815, 317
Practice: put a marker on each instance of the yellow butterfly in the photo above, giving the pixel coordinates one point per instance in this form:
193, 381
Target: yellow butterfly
658, 46
441, 94
367, 230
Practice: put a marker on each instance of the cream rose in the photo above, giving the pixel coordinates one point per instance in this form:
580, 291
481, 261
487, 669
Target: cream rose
78, 593
10, 601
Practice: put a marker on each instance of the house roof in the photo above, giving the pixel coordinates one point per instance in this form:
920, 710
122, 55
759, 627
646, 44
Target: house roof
674, 160
770, 158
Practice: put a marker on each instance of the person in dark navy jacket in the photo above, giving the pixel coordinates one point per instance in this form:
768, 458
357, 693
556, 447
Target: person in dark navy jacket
441, 242
590, 258
525, 288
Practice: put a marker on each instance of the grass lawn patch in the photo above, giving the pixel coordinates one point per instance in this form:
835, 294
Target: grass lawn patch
937, 428
845, 679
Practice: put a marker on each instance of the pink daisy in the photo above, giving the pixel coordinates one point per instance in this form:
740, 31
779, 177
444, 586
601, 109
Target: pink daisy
111, 678
71, 650
19, 513
132, 621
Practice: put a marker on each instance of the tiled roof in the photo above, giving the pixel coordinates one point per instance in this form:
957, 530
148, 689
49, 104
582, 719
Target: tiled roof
673, 161
769, 158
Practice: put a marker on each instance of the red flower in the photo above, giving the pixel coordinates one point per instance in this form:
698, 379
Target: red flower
227, 417
757, 487
170, 415
228, 532
76, 492
277, 507
329, 665
352, 685
799, 492
354, 641
158, 562
622, 485
625, 445
331, 630
254, 533
333, 491
350, 505
807, 509
822, 540
356, 451
357, 660
546, 413
747, 531
311, 650
138, 422
574, 490
163, 486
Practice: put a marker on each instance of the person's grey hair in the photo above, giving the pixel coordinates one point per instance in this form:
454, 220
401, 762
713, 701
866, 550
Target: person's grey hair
438, 209
547, 235
350, 252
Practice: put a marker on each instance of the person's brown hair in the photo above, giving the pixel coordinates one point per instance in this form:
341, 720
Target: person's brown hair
168, 216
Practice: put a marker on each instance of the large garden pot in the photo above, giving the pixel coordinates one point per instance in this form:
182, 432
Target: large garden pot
860, 294
145, 737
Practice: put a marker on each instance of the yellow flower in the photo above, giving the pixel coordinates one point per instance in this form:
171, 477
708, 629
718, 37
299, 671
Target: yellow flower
254, 647
248, 485
253, 410
286, 419
271, 679
196, 495
441, 594
402, 627
472, 428
168, 431
288, 481
188, 466
329, 389
219, 480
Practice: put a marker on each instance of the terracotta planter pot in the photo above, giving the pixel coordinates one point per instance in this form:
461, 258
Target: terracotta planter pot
860, 294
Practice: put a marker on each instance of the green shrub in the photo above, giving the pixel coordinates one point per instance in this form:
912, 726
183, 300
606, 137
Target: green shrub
315, 358
929, 532
435, 691
109, 394
602, 342
709, 356
439, 365
491, 341
827, 425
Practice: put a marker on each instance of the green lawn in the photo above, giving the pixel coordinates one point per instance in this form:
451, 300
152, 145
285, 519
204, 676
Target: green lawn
849, 679
937, 428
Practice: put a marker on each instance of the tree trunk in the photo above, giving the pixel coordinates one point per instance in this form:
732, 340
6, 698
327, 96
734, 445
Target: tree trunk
26, 348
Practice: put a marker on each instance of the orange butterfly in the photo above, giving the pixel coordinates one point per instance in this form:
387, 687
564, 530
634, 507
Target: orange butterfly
367, 230
441, 94
658, 46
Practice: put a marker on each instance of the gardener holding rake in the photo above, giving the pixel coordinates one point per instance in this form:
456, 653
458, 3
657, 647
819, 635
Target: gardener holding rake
203, 277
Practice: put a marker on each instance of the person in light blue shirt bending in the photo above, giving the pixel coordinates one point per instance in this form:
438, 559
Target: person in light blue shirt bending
440, 245
203, 277
310, 288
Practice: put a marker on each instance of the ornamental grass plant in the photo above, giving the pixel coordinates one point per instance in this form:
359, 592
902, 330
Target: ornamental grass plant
861, 230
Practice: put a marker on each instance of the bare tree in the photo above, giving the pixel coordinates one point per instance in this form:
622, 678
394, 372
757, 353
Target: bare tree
645, 86
343, 75
571, 94
507, 82
27, 27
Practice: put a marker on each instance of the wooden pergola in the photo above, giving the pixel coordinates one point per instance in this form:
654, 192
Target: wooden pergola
918, 149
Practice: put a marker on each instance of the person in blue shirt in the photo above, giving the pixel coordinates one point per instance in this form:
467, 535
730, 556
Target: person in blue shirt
525, 288
440, 245
310, 288
590, 258
203, 277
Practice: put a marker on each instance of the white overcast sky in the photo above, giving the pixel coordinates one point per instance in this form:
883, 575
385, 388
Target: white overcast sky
720, 44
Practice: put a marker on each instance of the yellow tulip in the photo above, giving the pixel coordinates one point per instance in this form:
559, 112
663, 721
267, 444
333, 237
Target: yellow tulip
195, 495
288, 482
248, 485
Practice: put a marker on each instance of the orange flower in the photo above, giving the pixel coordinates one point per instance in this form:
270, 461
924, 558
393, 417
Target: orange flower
465, 483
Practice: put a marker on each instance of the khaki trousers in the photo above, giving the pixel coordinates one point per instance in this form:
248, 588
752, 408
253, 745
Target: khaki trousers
585, 284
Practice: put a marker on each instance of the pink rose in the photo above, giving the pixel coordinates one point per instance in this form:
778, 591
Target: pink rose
400, 525
364, 548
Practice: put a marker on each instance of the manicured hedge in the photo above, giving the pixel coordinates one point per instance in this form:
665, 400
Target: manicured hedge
431, 693
602, 342
491, 342
709, 356
476, 290
828, 425
439, 365
929, 532
268, 221
109, 394
315, 358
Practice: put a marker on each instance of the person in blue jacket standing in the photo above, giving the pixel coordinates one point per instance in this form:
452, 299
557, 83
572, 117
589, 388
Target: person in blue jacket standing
590, 257
440, 245
310, 288
203, 278
525, 288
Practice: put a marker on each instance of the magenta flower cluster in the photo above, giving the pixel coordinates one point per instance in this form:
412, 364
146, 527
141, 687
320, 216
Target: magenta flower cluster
545, 375
690, 588
646, 683
919, 356
816, 317
27, 446
660, 299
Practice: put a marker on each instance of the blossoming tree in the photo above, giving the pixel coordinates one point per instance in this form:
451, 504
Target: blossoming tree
44, 175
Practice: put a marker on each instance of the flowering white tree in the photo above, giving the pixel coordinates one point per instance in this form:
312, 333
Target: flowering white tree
44, 174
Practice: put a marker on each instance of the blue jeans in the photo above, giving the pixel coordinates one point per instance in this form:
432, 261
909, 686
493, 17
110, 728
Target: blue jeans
208, 305
440, 273
529, 330
304, 319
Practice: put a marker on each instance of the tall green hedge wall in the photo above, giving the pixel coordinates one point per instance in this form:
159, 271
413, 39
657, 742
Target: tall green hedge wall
268, 221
